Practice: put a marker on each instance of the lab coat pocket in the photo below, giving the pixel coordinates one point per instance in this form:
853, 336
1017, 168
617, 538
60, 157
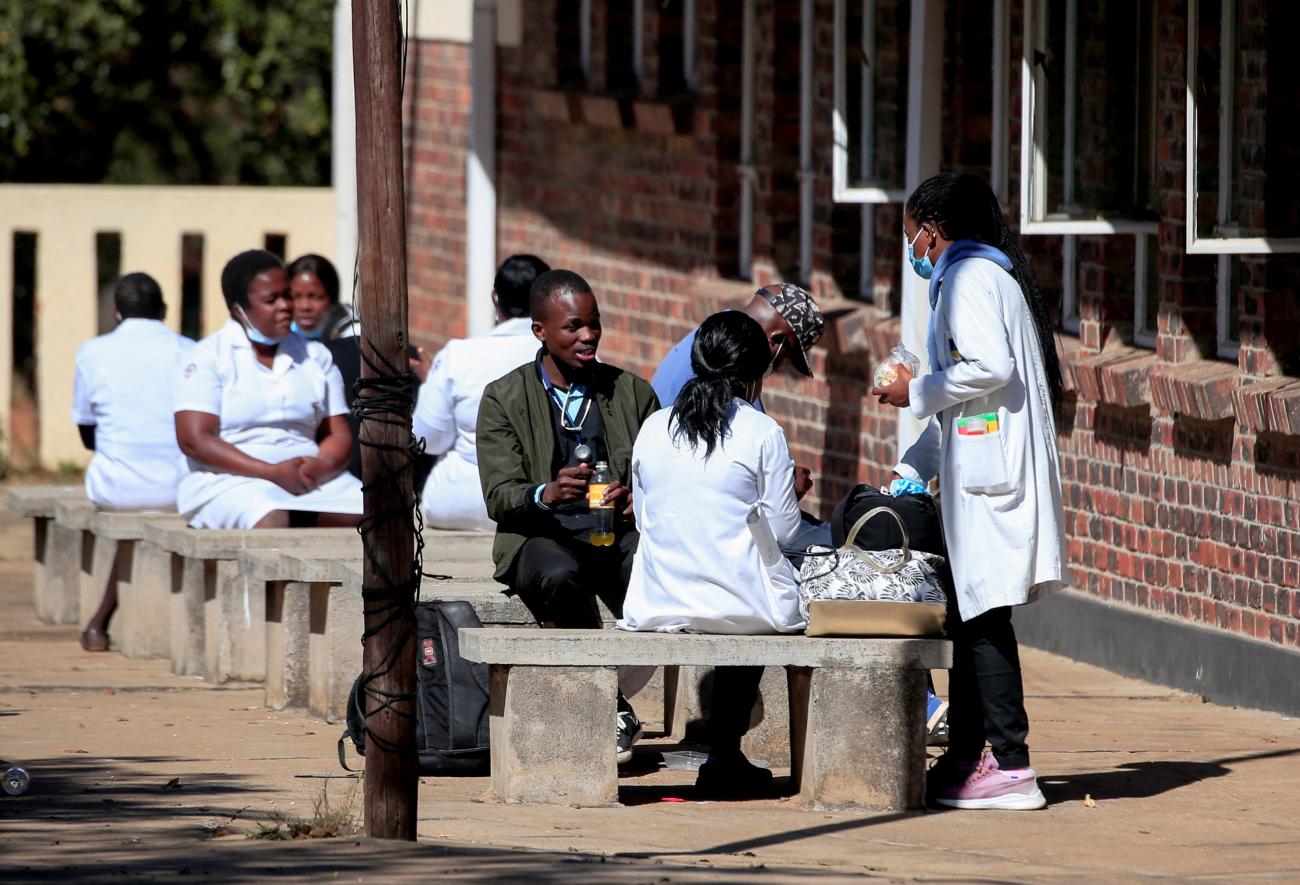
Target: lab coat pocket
982, 459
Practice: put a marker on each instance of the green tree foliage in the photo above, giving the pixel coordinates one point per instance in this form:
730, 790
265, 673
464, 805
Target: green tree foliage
165, 91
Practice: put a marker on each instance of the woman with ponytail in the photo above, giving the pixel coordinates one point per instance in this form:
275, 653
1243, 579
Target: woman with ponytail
713, 493
991, 398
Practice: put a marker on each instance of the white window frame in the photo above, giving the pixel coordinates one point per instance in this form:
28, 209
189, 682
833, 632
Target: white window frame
638, 41
1227, 341
841, 190
584, 38
1033, 158
1070, 284
1142, 336
1225, 243
688, 43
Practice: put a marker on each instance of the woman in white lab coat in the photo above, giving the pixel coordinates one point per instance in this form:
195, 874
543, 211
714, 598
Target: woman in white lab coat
993, 386
260, 415
713, 493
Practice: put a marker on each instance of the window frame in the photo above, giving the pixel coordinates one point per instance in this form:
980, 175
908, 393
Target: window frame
1229, 244
841, 190
1142, 256
1033, 157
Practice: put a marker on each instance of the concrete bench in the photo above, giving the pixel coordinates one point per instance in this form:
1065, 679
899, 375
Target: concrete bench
216, 623
857, 709
315, 620
140, 628
57, 551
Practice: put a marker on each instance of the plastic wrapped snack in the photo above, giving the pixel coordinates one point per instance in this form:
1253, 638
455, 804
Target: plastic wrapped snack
887, 372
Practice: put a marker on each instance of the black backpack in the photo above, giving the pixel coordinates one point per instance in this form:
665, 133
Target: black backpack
451, 725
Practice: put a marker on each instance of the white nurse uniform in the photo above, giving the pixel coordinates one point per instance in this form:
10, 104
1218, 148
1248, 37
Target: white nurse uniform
272, 414
123, 388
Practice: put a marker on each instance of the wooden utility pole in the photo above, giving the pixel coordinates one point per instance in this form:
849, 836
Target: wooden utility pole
390, 577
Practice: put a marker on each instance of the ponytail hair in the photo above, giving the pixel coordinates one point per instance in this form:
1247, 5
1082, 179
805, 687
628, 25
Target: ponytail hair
964, 207
729, 353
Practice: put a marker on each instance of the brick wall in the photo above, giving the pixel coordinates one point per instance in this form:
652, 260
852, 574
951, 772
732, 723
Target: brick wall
436, 116
1181, 491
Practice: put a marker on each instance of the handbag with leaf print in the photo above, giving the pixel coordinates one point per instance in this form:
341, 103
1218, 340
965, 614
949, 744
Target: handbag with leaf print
886, 579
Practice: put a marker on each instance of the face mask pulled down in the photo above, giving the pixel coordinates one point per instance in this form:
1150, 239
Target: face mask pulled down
254, 334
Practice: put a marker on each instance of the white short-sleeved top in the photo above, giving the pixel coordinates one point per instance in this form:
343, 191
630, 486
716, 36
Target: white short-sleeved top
123, 388
271, 414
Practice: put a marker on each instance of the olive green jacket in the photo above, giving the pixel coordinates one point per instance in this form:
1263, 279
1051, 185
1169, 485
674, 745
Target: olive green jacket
517, 449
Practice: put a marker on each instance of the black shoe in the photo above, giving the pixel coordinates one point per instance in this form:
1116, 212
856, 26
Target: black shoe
733, 777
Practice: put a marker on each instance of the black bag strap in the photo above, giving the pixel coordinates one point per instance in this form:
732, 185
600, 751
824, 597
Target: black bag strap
343, 758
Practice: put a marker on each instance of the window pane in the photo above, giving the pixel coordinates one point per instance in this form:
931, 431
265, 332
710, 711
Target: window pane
1099, 103
875, 72
1247, 90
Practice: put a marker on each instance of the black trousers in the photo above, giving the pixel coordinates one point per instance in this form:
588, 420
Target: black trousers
735, 691
986, 697
560, 580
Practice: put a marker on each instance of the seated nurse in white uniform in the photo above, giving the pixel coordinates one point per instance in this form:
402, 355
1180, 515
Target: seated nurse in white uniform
446, 412
260, 415
122, 406
713, 492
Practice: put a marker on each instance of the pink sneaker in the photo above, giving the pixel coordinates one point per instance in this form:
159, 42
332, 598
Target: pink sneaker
988, 786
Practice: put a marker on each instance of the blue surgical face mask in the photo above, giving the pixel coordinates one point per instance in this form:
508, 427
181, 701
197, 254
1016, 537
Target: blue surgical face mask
313, 335
922, 266
253, 333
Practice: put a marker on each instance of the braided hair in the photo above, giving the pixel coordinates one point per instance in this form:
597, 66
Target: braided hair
964, 207
730, 351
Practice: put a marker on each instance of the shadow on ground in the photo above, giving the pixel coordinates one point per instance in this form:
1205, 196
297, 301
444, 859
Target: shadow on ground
235, 859
1142, 780
82, 791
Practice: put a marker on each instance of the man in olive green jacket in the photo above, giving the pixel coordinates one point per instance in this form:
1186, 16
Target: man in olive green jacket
541, 430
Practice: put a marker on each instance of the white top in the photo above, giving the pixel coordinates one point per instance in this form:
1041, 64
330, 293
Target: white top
123, 388
698, 567
446, 414
272, 414
1002, 513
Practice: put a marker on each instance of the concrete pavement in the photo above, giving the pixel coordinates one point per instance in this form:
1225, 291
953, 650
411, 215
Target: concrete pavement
141, 774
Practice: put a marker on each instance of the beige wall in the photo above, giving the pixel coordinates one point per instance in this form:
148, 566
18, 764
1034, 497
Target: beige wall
151, 221
452, 21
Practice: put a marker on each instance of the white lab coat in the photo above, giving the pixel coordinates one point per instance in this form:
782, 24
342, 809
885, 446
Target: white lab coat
1002, 511
272, 414
698, 567
123, 388
446, 414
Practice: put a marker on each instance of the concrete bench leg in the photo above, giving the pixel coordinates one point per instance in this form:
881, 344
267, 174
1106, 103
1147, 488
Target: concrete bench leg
234, 627
552, 731
288, 610
56, 572
98, 556
334, 647
193, 581
144, 599
857, 737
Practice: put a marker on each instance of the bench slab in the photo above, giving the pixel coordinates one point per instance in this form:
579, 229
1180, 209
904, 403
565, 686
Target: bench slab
603, 648
39, 501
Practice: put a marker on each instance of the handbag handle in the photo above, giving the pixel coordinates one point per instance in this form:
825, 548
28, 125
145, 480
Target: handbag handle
849, 542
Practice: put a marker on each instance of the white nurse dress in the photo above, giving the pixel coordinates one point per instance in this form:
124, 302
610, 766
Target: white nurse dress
271, 414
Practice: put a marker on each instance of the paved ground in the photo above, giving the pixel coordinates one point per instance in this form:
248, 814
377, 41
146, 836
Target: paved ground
143, 775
